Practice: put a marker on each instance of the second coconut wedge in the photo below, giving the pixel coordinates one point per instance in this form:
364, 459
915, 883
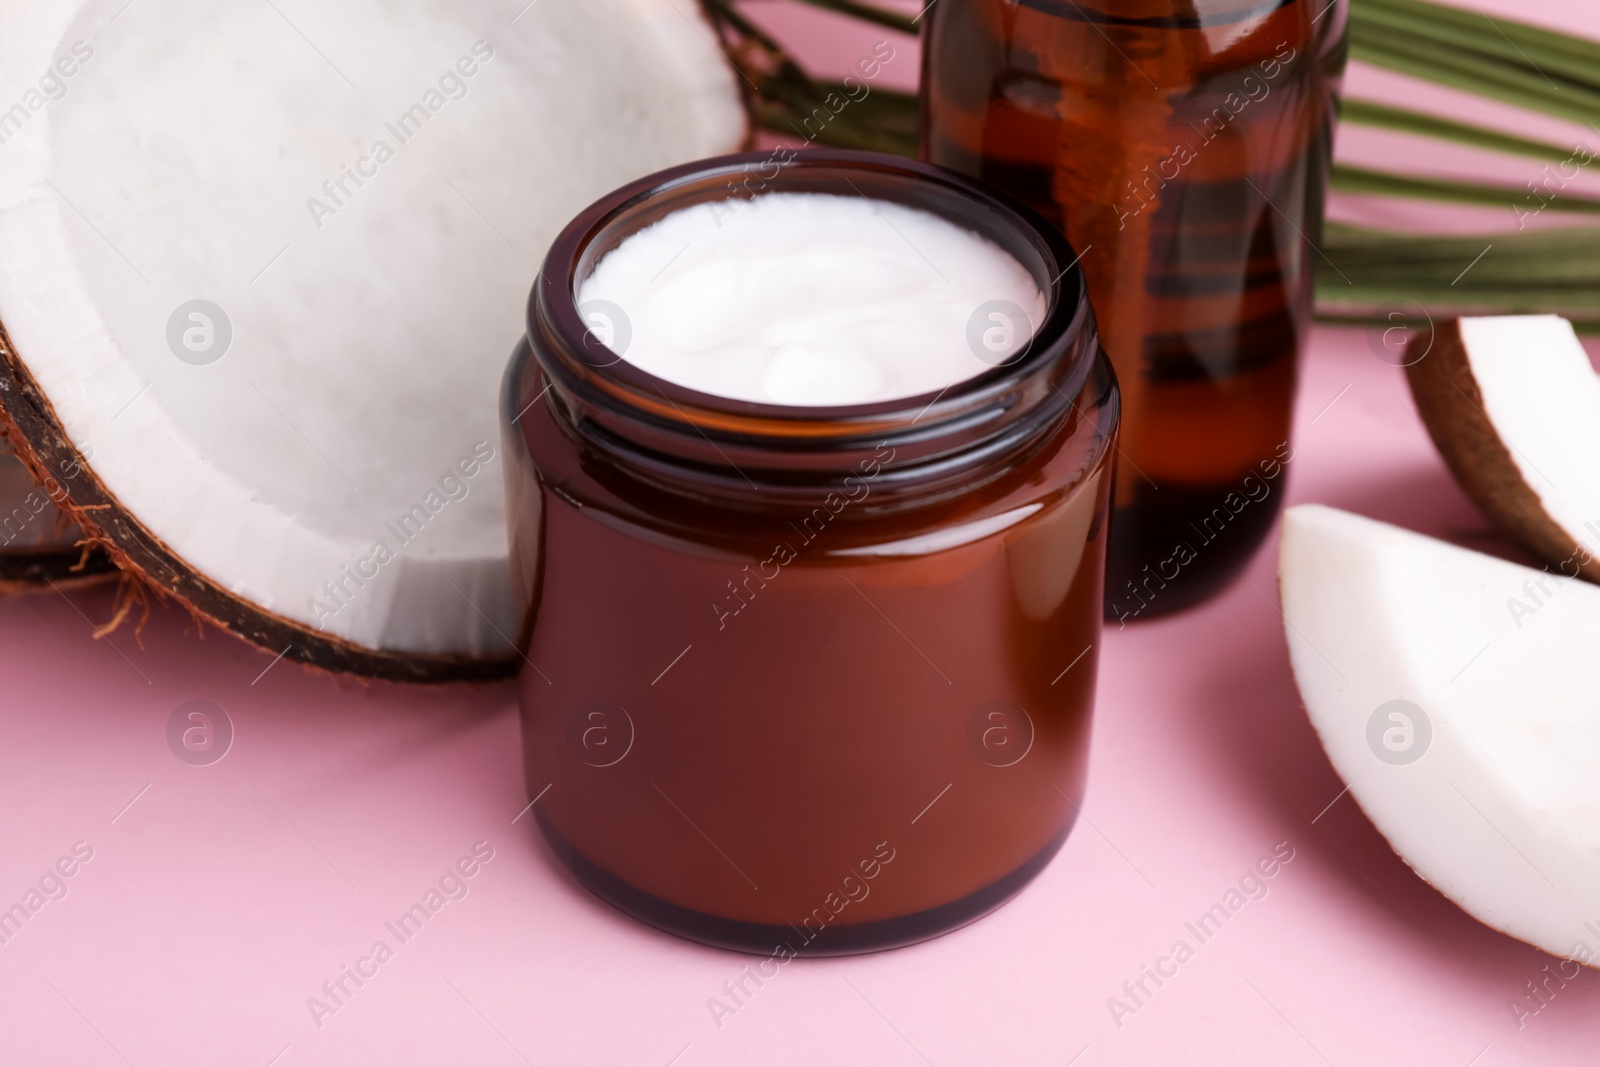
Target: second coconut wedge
1459, 697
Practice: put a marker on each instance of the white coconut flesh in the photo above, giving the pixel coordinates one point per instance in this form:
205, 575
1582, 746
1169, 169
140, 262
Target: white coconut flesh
1499, 808
204, 151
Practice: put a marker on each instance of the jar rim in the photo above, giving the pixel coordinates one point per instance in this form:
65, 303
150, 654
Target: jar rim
656, 424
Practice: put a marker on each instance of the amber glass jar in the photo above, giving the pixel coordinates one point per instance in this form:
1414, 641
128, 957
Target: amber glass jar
1183, 146
806, 680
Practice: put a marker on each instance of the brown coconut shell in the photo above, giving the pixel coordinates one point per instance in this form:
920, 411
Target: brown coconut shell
149, 567
41, 570
59, 564
1451, 405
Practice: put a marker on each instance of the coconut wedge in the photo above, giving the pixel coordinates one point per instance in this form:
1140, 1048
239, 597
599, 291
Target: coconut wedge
262, 265
1513, 405
1459, 696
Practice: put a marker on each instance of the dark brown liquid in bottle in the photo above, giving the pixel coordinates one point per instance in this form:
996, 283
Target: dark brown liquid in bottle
1183, 149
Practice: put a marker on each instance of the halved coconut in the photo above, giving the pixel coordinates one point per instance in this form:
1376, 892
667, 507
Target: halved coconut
261, 267
39, 548
1459, 696
1514, 407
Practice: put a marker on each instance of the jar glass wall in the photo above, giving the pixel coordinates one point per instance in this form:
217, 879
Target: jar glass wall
807, 680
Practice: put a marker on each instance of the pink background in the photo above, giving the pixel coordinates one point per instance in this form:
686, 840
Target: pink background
224, 896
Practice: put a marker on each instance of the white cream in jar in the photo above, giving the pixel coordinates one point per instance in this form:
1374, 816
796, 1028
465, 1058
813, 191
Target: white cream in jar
811, 299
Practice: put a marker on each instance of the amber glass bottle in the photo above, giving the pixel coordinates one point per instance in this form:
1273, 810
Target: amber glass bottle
1183, 147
